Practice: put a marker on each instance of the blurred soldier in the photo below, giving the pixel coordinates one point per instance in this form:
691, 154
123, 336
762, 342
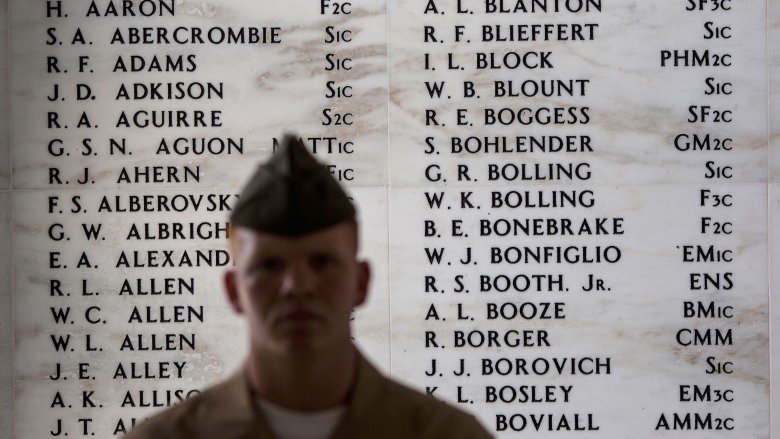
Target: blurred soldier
296, 279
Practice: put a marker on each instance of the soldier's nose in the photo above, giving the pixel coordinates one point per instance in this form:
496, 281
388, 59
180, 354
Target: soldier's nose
297, 281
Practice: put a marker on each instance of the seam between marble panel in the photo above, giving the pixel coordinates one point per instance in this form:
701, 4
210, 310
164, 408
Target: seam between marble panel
6, 105
7, 97
387, 192
12, 284
769, 292
768, 93
769, 205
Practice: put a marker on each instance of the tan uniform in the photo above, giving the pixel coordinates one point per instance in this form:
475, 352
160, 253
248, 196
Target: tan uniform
379, 408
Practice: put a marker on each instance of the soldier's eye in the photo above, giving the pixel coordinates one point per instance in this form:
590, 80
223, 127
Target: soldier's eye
322, 260
268, 264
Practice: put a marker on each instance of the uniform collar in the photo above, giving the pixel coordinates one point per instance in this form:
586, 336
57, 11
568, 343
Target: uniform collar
367, 388
240, 413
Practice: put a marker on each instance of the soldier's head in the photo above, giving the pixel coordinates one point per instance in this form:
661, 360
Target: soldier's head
294, 243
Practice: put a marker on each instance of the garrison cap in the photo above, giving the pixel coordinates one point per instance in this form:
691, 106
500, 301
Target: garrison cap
291, 194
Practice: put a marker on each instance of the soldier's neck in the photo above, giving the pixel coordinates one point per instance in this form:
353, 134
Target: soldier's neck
306, 382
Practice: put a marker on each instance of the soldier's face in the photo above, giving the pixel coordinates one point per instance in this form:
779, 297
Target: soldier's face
297, 293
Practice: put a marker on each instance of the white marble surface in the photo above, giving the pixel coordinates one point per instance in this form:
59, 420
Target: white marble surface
263, 90
372, 320
220, 338
636, 106
264, 86
634, 322
218, 344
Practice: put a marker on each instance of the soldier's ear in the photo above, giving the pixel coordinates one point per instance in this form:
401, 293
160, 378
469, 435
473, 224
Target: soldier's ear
231, 290
364, 281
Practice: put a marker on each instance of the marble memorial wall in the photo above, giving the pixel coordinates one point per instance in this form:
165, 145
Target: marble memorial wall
566, 203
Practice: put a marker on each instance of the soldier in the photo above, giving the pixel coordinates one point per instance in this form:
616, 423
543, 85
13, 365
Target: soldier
296, 279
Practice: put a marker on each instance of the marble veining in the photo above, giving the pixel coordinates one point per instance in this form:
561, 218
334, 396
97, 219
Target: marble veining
633, 120
256, 105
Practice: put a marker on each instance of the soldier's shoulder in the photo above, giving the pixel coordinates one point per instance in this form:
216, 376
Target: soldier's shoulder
181, 420
431, 417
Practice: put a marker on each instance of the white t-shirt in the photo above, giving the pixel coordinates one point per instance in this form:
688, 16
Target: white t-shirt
292, 424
